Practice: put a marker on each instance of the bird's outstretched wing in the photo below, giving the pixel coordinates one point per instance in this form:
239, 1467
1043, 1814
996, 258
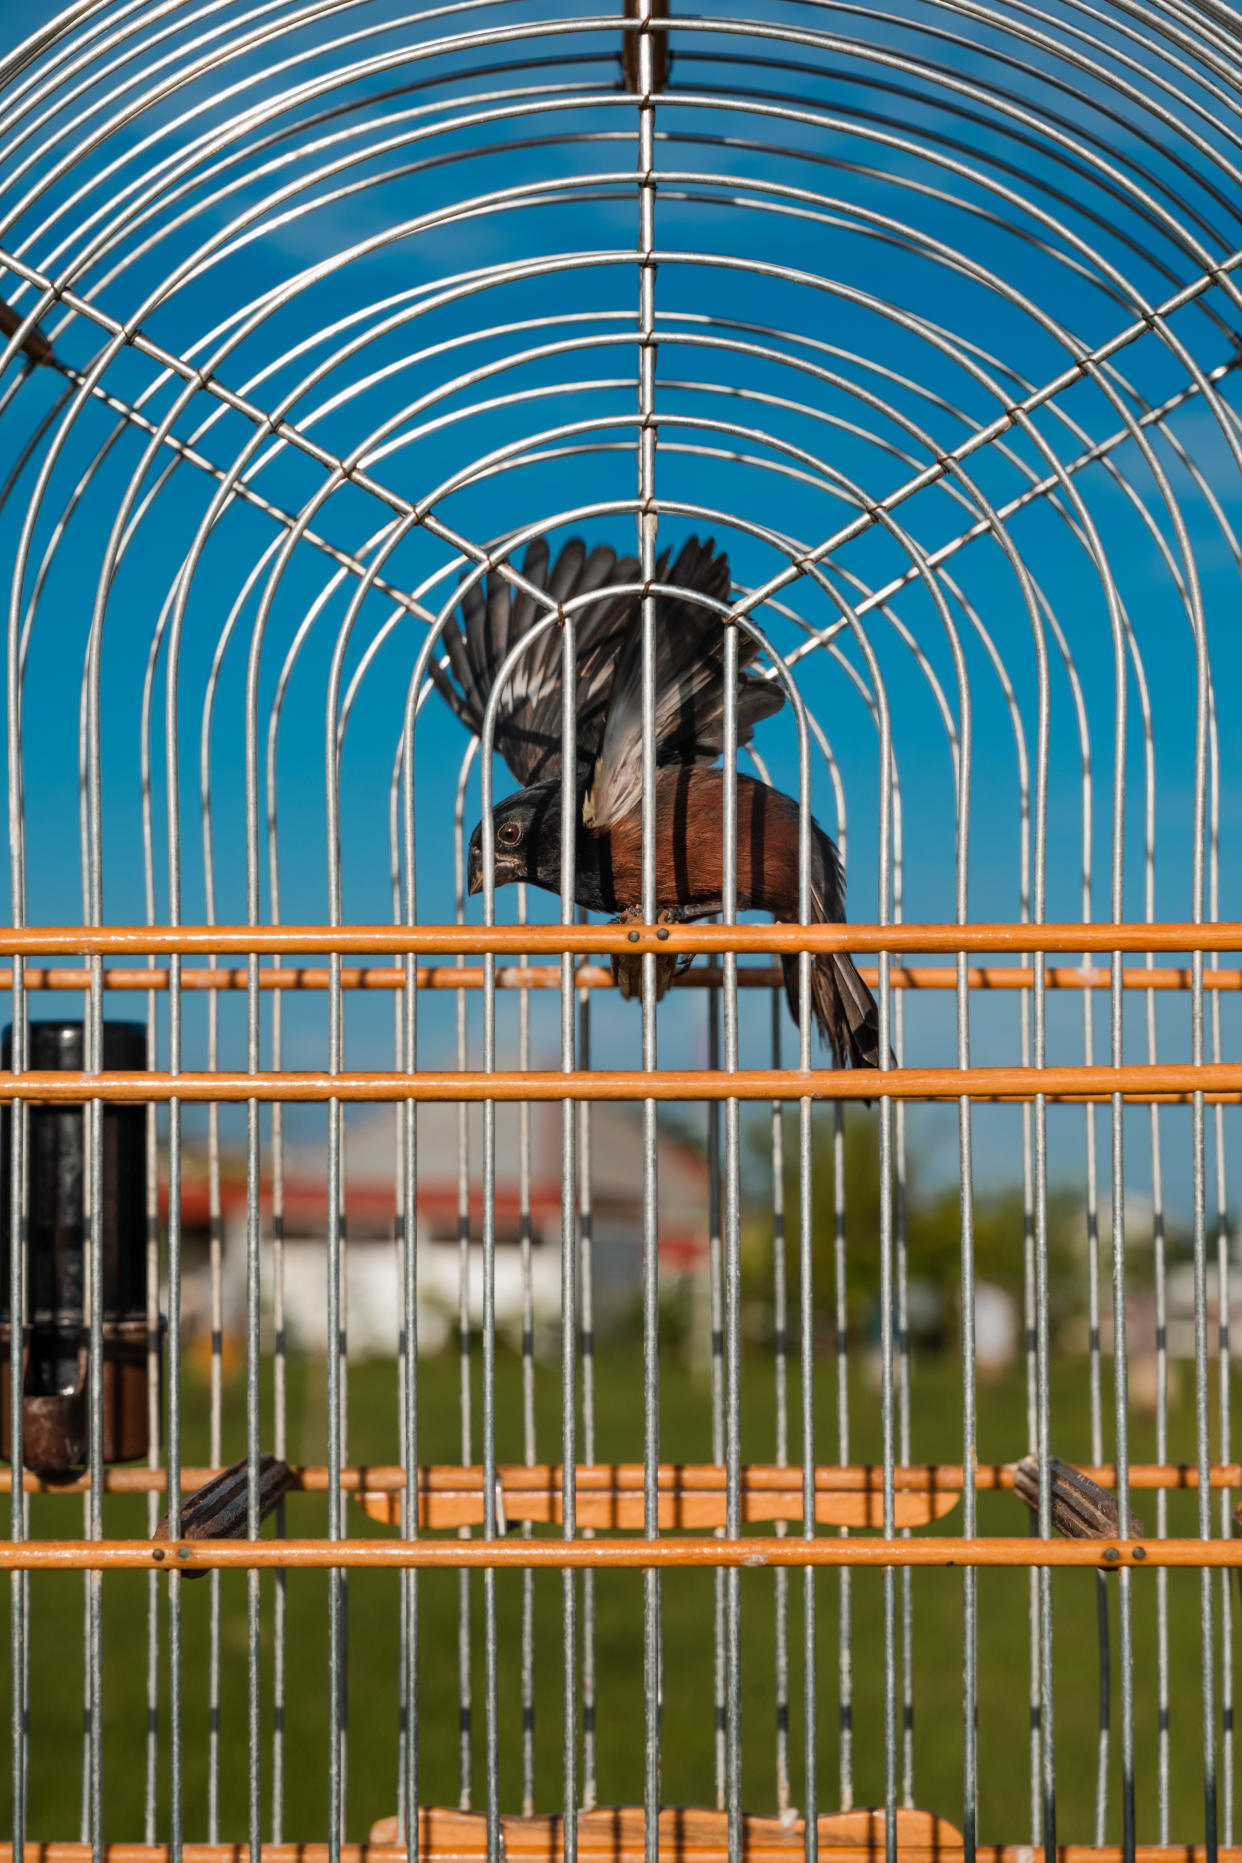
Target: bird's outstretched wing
689, 684
528, 721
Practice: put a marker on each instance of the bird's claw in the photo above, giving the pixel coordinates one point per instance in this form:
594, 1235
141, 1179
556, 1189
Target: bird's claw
1080, 1508
627, 971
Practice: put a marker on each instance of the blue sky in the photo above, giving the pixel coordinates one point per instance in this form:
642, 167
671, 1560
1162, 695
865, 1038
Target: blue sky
949, 231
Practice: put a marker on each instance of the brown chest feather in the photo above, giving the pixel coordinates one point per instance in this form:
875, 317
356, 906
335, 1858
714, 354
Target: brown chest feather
689, 845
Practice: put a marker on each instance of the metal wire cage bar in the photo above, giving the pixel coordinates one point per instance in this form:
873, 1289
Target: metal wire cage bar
552, 1329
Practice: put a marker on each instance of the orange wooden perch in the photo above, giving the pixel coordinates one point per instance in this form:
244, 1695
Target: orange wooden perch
1068, 937
1170, 1083
613, 1497
611, 1553
587, 976
442, 1485
615, 1835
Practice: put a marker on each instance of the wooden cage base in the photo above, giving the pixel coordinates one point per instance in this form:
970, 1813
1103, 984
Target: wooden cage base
615, 1835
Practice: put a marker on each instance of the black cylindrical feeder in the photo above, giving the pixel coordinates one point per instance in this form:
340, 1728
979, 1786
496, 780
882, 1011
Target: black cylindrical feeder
56, 1336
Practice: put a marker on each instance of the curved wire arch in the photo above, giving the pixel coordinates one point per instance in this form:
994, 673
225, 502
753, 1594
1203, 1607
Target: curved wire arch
992, 146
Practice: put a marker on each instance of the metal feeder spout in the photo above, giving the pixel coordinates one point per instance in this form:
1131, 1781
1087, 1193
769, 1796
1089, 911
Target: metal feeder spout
55, 1342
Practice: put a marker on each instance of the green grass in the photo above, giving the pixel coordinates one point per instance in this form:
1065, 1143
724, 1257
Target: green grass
688, 1745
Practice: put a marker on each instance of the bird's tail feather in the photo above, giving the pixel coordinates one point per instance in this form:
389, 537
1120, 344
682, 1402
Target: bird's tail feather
858, 1007
845, 1010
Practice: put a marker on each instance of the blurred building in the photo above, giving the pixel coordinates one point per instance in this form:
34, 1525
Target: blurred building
1142, 1318
528, 1179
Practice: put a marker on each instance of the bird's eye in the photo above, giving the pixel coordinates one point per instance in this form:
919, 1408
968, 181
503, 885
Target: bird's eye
509, 834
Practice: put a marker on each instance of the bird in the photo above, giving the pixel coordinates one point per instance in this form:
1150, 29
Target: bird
608, 773
34, 345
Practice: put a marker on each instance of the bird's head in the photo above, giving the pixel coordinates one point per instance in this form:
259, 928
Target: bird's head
526, 840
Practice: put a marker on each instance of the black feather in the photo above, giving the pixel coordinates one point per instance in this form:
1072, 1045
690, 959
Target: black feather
689, 683
493, 619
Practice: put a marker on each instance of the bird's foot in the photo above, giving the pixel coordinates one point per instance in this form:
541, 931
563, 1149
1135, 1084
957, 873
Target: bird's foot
627, 971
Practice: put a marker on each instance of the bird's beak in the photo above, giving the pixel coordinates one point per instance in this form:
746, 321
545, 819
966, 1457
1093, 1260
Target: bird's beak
474, 870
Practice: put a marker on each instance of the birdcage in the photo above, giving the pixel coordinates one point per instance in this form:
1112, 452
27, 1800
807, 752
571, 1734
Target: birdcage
612, 1427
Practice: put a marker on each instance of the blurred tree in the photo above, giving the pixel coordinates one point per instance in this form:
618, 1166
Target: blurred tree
932, 1222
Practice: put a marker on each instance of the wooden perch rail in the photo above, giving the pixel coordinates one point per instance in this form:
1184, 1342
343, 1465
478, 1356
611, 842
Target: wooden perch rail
437, 1844
608, 1554
615, 1835
234, 979
688, 1497
1166, 1084
1071, 938
441, 1484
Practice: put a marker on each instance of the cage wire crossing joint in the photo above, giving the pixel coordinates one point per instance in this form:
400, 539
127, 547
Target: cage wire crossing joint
313, 319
